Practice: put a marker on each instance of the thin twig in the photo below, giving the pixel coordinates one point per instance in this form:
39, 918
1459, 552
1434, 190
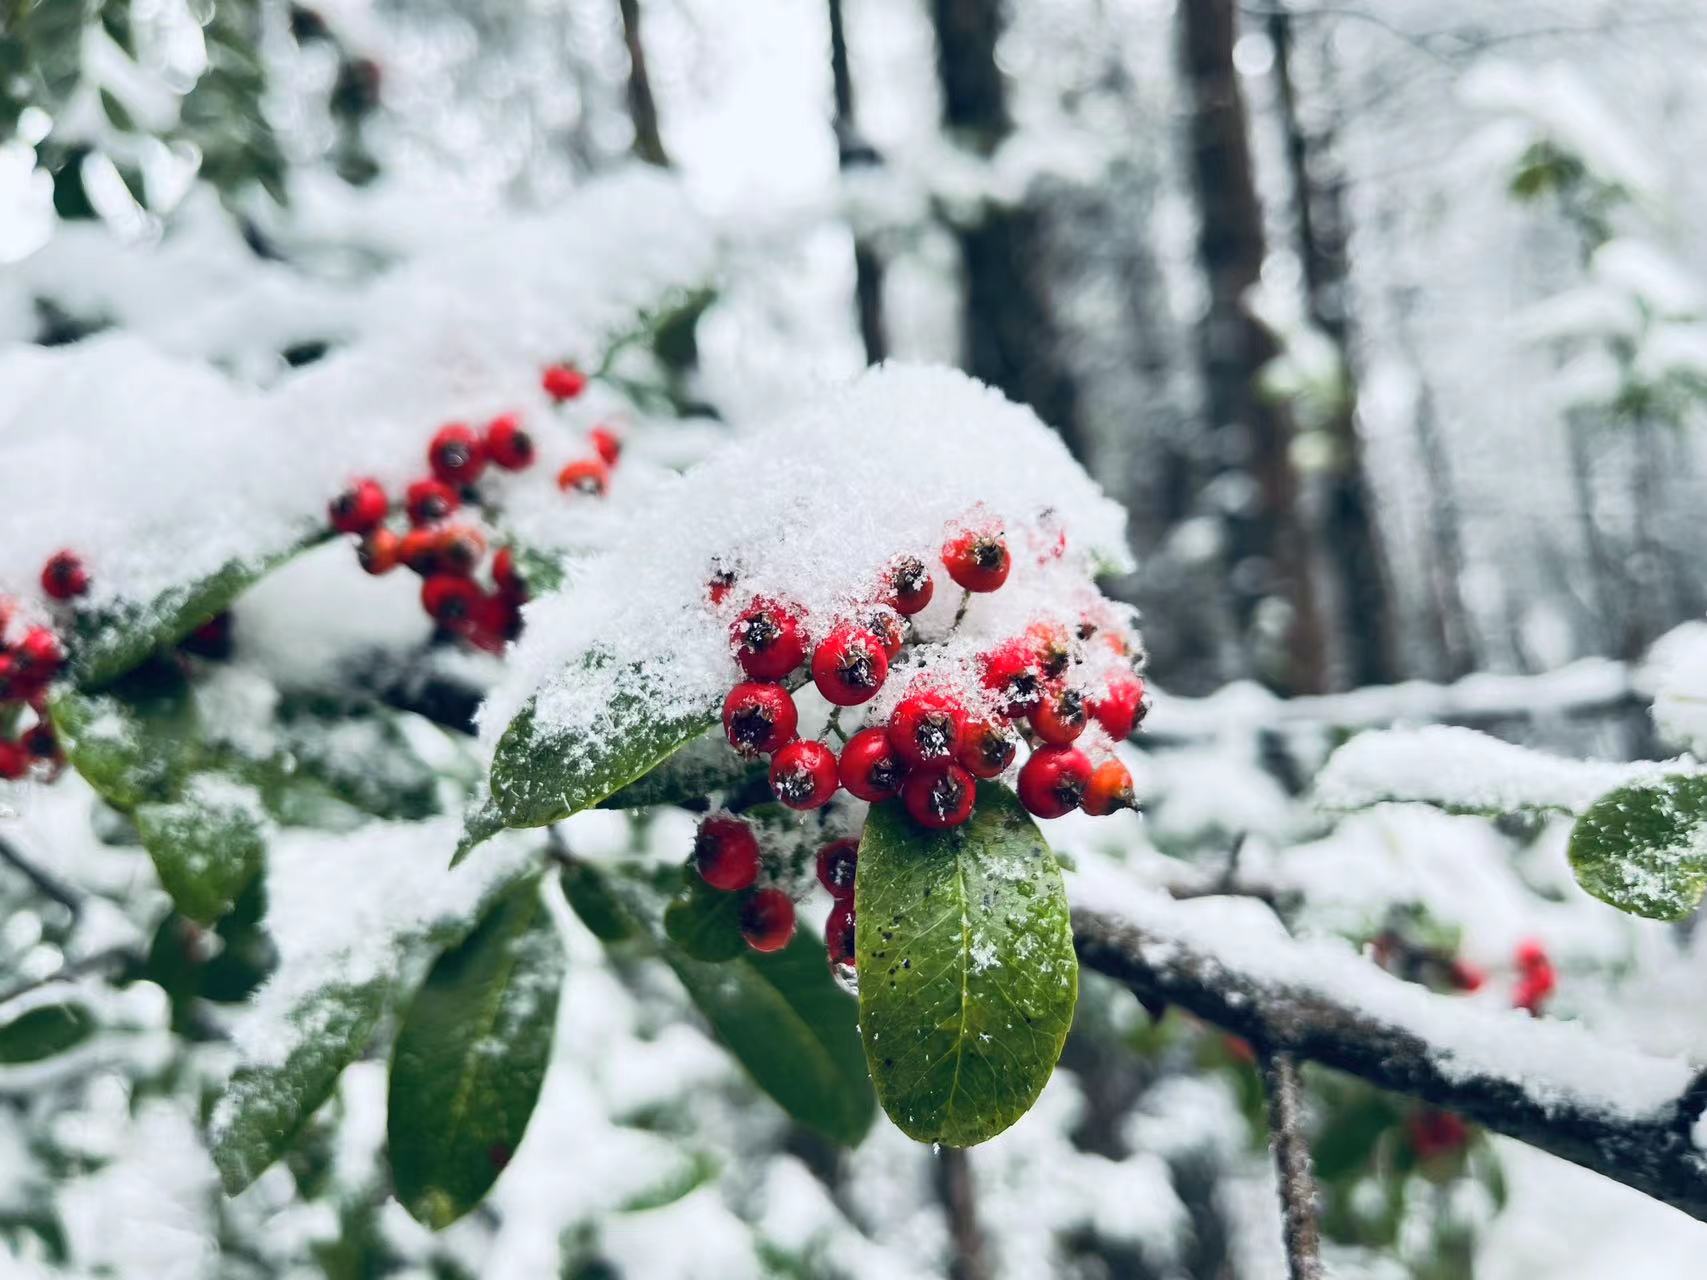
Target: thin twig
960, 1202
75, 968
47, 885
1296, 1179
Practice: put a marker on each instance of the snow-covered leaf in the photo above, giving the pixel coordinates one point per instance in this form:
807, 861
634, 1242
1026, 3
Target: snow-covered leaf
206, 847
470, 1058
968, 978
43, 1031
135, 742
701, 767
1643, 848
267, 1102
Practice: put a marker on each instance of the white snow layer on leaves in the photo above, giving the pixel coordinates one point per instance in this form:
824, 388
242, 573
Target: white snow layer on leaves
1462, 769
1678, 664
160, 470
1556, 1062
809, 509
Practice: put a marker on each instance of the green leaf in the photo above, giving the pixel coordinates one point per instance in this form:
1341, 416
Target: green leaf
967, 972
1643, 848
781, 1015
208, 847
470, 1057
135, 742
44, 1031
591, 899
705, 923
543, 777
267, 1103
701, 767
112, 641
479, 824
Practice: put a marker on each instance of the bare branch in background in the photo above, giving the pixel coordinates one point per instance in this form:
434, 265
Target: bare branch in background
1293, 1174
852, 152
648, 141
960, 1202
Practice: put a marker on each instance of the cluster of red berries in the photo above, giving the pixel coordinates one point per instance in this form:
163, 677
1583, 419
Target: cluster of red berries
726, 855
1537, 979
937, 741
448, 552
27, 667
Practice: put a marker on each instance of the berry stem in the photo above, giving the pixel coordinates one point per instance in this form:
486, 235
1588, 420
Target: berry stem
834, 725
960, 613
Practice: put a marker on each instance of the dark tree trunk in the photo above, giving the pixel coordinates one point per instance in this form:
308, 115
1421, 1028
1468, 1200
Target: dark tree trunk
648, 142
1010, 334
1347, 536
852, 151
1266, 552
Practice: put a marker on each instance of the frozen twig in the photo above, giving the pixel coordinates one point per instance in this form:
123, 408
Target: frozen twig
47, 885
1652, 1152
1297, 1180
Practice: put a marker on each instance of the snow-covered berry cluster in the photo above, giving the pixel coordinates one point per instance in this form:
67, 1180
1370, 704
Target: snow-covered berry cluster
726, 855
444, 540
959, 718
31, 655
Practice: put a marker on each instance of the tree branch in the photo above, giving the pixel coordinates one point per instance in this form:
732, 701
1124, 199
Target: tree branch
1376, 1040
48, 886
1296, 1179
960, 1202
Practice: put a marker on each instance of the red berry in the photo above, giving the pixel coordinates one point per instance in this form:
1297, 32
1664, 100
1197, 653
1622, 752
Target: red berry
1531, 953
727, 853
839, 932
927, 725
461, 548
210, 640
563, 382
39, 655
606, 443
803, 774
767, 920
429, 501
1059, 716
507, 576
720, 584
1466, 976
1435, 1133
380, 551
508, 445
887, 625
1054, 649
871, 769
14, 761
1120, 708
987, 750
450, 598
359, 508
759, 716
8, 675
64, 576
1010, 672
419, 549
767, 640
1110, 789
939, 795
456, 455
907, 585
585, 475
1054, 781
836, 865
977, 558
849, 666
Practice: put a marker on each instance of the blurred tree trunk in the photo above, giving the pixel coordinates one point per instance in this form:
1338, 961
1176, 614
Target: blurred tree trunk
1266, 548
648, 141
1011, 338
1347, 537
853, 151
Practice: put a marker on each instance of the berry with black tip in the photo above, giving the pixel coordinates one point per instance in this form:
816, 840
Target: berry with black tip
803, 774
461, 548
39, 655
767, 920
1120, 708
65, 576
1010, 672
839, 932
450, 598
359, 508
1060, 716
1053, 647
1054, 781
927, 725
507, 575
419, 549
588, 476
606, 443
908, 586
726, 853
767, 640
939, 795
507, 443
977, 559
720, 583
456, 454
987, 749
563, 382
379, 552
1110, 790
837, 863
759, 716
887, 625
429, 501
849, 665
871, 769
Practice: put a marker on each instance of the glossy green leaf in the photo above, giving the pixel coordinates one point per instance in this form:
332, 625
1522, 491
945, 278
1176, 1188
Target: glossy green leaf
1643, 848
590, 898
470, 1058
781, 1015
207, 847
135, 742
479, 824
44, 1031
701, 767
705, 923
267, 1103
968, 976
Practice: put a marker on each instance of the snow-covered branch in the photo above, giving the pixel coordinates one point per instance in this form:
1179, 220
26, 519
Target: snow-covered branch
1621, 1113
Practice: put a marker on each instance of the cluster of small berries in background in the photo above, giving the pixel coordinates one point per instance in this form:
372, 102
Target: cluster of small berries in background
945, 732
449, 550
28, 665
